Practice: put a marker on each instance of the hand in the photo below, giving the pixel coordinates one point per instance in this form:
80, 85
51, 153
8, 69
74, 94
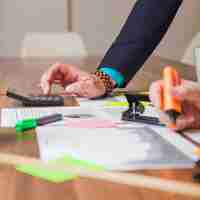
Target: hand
75, 81
189, 95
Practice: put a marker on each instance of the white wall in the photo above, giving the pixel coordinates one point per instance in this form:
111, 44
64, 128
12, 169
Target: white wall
99, 21
17, 17
185, 26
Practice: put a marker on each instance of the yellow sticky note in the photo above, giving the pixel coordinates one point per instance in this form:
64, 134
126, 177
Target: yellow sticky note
116, 104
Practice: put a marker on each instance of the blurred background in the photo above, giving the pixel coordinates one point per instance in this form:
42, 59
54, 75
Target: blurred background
97, 21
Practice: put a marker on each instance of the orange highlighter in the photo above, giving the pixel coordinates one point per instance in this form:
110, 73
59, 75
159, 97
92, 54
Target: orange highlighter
169, 104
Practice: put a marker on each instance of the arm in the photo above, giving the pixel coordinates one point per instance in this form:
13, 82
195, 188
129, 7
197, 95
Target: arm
145, 27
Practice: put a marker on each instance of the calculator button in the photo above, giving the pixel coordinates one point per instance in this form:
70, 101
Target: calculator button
36, 98
43, 98
57, 98
50, 99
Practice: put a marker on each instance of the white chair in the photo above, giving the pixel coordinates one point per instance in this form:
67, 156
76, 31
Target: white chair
53, 45
189, 57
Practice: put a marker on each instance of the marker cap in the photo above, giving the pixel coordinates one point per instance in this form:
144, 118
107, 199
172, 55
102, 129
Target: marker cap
26, 125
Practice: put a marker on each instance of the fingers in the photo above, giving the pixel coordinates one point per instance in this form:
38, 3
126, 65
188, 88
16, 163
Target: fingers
53, 75
45, 81
45, 84
188, 90
53, 72
156, 93
190, 117
184, 122
164, 118
74, 89
89, 87
94, 87
189, 94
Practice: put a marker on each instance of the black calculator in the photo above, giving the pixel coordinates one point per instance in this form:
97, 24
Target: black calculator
37, 101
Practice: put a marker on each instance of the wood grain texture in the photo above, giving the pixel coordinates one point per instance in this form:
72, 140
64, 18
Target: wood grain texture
133, 180
24, 76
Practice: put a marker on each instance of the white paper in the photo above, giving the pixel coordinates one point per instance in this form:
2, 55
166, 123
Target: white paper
9, 116
103, 143
194, 135
122, 149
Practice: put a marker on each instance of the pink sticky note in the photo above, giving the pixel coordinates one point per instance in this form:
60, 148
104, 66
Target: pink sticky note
89, 123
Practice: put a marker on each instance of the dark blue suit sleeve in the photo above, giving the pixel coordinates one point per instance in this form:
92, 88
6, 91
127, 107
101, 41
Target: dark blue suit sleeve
145, 27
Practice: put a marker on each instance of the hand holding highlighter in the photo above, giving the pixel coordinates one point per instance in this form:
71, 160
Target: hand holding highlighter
169, 104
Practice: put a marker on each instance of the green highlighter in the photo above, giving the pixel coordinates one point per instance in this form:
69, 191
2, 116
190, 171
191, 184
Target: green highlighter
28, 124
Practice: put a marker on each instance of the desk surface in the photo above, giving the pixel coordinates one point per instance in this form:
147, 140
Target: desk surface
24, 76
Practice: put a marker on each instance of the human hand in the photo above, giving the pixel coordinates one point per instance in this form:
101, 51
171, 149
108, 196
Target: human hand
189, 95
74, 80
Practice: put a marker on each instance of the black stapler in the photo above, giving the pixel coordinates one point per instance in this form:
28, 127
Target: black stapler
136, 109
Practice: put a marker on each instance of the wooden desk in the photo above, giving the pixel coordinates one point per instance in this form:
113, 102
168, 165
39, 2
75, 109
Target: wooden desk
24, 75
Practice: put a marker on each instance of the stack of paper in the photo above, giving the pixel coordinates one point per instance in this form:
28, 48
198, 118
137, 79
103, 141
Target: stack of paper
121, 149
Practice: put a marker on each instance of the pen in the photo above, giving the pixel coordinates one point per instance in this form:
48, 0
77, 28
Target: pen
169, 104
11, 94
27, 124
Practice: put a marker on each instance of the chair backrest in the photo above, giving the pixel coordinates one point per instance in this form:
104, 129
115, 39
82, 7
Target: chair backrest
189, 57
53, 45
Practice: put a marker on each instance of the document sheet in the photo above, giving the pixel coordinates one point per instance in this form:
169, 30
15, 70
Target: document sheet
124, 148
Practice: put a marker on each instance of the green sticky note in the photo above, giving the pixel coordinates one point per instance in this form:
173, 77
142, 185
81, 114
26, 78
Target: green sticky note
57, 176
116, 103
